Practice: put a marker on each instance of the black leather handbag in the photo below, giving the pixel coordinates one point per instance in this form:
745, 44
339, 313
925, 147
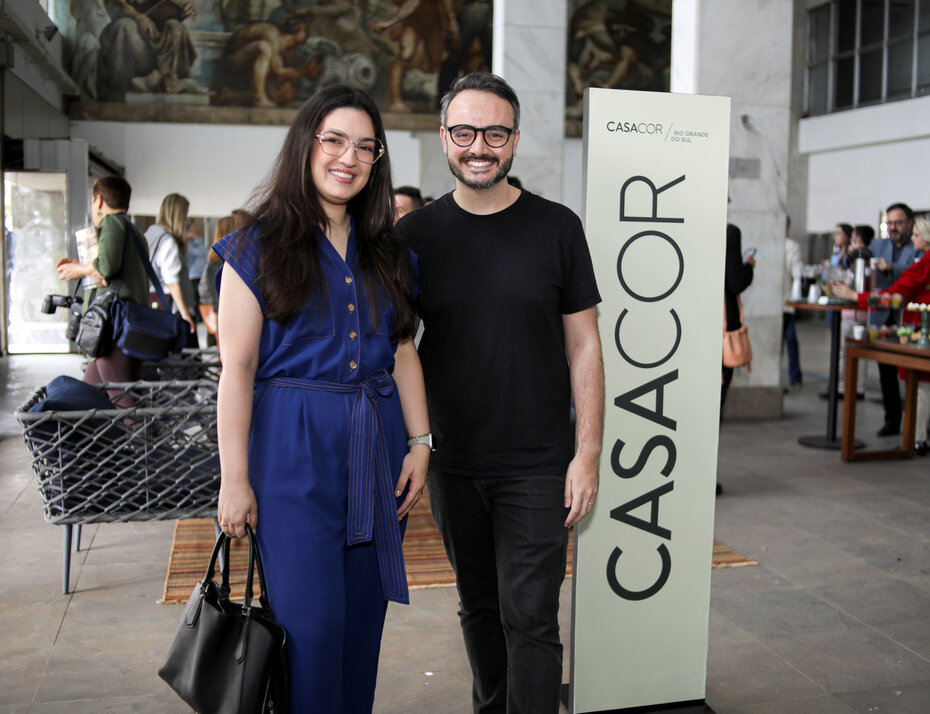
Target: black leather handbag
229, 658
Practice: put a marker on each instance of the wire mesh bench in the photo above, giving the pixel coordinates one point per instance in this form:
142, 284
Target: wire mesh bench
154, 460
188, 364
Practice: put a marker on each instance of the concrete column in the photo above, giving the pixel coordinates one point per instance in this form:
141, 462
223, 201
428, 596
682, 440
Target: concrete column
529, 52
744, 50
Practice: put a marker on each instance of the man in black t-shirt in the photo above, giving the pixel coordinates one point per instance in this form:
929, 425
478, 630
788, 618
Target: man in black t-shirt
508, 300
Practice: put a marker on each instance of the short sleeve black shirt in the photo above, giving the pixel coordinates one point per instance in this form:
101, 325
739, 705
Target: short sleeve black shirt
493, 291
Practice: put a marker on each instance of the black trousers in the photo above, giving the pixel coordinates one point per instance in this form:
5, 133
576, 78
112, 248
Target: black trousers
891, 394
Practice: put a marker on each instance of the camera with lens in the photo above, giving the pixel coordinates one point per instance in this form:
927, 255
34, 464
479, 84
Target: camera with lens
50, 303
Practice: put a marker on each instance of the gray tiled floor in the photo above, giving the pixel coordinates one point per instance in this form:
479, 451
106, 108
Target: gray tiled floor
835, 619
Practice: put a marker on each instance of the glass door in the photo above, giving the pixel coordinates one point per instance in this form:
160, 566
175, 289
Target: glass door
36, 234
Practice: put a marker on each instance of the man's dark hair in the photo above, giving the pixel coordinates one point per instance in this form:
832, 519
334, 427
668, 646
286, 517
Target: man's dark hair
866, 232
483, 82
908, 211
413, 192
514, 181
115, 191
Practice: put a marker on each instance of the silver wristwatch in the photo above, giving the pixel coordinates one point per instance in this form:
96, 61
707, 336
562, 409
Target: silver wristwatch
421, 439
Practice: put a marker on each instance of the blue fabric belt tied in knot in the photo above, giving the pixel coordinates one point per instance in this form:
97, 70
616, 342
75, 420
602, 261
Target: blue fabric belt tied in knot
372, 508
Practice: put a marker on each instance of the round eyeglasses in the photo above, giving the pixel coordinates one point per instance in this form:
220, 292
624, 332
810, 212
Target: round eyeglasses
335, 143
464, 135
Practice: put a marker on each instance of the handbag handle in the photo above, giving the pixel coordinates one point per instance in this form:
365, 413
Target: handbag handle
255, 563
739, 304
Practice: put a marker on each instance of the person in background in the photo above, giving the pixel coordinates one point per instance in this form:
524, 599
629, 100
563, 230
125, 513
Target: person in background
207, 295
891, 257
117, 259
913, 286
737, 276
842, 234
858, 247
789, 336
197, 251
321, 414
168, 251
406, 199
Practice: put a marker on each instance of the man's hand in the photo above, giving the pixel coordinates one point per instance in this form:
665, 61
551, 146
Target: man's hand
69, 269
580, 487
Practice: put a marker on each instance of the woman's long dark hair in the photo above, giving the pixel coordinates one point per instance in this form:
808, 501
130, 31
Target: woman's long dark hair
289, 221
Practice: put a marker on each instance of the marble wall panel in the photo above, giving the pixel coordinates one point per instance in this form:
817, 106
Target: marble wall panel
541, 170
532, 12
745, 49
534, 57
762, 301
540, 113
762, 136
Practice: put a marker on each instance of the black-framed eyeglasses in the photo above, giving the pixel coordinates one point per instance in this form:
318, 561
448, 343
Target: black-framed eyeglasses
464, 135
335, 143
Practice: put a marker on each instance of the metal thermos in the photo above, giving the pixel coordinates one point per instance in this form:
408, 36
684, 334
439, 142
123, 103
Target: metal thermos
859, 268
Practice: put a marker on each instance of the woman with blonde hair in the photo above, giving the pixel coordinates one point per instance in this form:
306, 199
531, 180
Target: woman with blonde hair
168, 254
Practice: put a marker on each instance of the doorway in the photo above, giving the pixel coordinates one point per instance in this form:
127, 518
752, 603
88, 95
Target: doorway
36, 233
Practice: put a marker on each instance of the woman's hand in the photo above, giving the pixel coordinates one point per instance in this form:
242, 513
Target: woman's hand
843, 291
237, 506
412, 477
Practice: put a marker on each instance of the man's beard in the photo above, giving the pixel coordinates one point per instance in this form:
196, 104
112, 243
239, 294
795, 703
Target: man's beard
503, 169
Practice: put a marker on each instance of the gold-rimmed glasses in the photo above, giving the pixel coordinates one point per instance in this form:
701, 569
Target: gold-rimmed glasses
335, 143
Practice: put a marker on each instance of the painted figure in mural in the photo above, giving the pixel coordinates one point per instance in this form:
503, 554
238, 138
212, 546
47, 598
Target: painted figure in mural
256, 64
235, 13
147, 48
474, 22
90, 17
618, 44
422, 31
336, 20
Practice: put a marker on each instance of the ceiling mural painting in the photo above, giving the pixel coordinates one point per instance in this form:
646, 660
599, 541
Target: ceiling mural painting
270, 54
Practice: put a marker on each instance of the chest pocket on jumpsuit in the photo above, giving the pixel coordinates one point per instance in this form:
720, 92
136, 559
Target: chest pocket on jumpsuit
315, 322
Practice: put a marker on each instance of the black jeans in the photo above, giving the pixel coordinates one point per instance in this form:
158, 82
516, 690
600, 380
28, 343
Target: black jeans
506, 541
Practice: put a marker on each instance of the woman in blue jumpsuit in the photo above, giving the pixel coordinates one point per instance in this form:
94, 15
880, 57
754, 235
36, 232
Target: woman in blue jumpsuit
321, 389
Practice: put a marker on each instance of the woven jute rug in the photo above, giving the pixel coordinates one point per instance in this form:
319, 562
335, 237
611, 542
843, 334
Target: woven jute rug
424, 556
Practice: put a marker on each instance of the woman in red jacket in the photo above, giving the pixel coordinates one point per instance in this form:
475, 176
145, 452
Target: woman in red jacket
913, 286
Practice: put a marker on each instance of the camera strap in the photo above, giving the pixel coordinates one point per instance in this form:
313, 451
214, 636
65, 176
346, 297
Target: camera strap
143, 252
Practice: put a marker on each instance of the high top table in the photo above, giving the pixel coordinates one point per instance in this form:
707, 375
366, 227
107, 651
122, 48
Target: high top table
913, 359
828, 440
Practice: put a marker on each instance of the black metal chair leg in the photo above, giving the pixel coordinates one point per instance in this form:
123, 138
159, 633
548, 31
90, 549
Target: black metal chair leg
65, 559
77, 537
